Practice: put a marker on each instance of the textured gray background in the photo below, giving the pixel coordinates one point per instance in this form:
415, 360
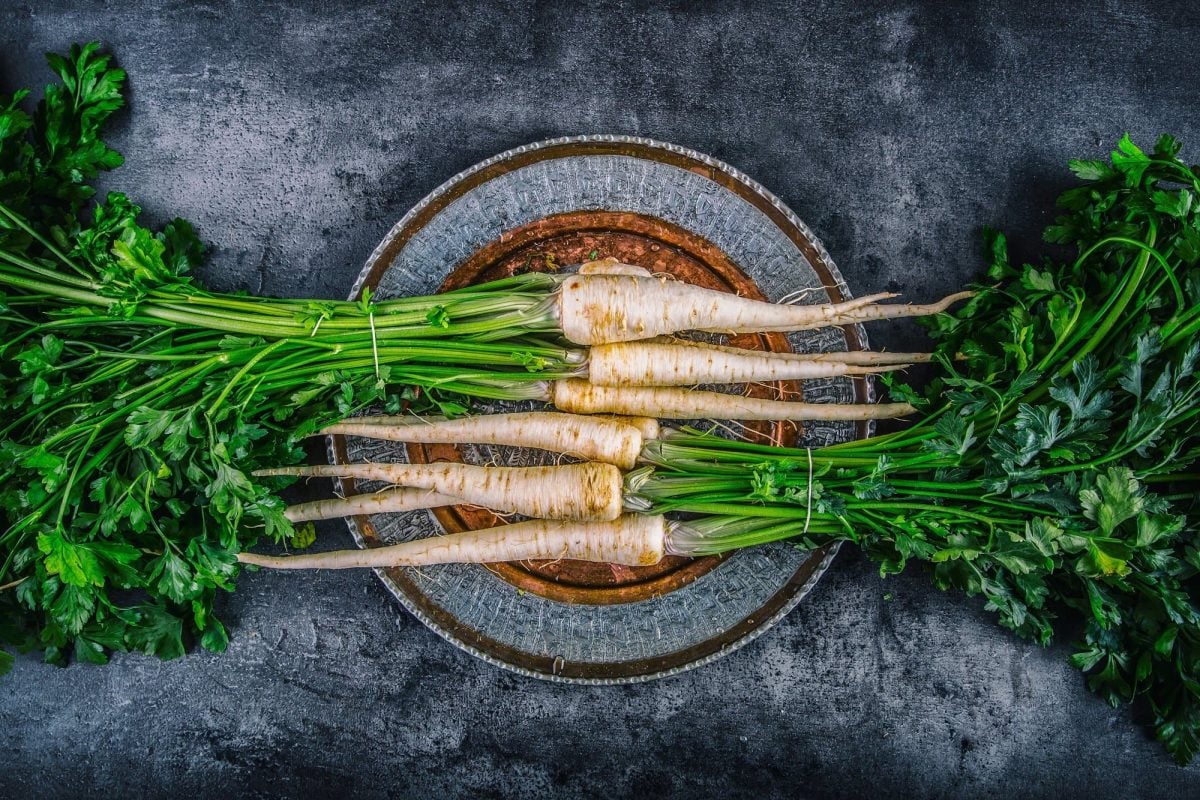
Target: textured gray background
294, 136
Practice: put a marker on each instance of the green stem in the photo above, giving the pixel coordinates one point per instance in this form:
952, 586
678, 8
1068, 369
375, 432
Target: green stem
29, 266
88, 298
1115, 313
266, 351
20, 222
66, 492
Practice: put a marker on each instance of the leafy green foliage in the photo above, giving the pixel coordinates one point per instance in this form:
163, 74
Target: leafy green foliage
135, 405
1054, 473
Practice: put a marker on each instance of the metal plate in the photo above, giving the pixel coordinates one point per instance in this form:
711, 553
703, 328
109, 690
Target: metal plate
669, 209
662, 247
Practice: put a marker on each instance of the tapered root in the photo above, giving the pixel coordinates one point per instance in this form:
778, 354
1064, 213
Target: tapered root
871, 313
870, 357
610, 441
582, 397
657, 363
633, 540
588, 491
382, 502
866, 300
605, 308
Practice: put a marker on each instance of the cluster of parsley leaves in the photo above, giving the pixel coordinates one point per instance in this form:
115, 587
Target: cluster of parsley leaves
135, 405
1080, 385
123, 516
1055, 469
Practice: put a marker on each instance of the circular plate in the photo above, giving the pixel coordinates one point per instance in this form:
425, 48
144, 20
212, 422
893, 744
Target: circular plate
665, 248
668, 209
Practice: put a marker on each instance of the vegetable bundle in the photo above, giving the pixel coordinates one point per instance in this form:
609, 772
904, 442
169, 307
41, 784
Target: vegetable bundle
137, 404
148, 422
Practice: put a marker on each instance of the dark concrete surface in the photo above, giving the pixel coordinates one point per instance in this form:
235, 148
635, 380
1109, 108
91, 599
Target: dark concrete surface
295, 135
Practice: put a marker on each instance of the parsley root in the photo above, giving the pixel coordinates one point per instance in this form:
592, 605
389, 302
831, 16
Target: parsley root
587, 491
381, 502
690, 363
581, 397
633, 539
612, 441
606, 308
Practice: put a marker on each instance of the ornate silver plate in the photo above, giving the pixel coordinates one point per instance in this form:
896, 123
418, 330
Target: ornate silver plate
692, 203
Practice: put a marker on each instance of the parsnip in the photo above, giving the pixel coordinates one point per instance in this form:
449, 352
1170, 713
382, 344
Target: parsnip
587, 491
385, 501
613, 441
633, 540
679, 363
605, 308
865, 357
581, 397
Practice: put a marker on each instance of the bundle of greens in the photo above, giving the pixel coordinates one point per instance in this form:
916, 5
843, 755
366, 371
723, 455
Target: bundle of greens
1054, 472
136, 404
139, 405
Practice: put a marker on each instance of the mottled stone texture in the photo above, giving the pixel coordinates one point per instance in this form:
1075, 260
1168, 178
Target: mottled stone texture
296, 134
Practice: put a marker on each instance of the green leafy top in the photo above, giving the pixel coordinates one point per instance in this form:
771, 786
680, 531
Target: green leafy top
135, 404
1055, 470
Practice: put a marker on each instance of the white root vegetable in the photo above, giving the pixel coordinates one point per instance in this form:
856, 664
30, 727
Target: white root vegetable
587, 491
612, 266
647, 425
605, 308
861, 357
633, 540
385, 501
688, 363
581, 397
611, 441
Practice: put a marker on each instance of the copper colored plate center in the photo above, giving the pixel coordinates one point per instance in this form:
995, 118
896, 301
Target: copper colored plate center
661, 247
